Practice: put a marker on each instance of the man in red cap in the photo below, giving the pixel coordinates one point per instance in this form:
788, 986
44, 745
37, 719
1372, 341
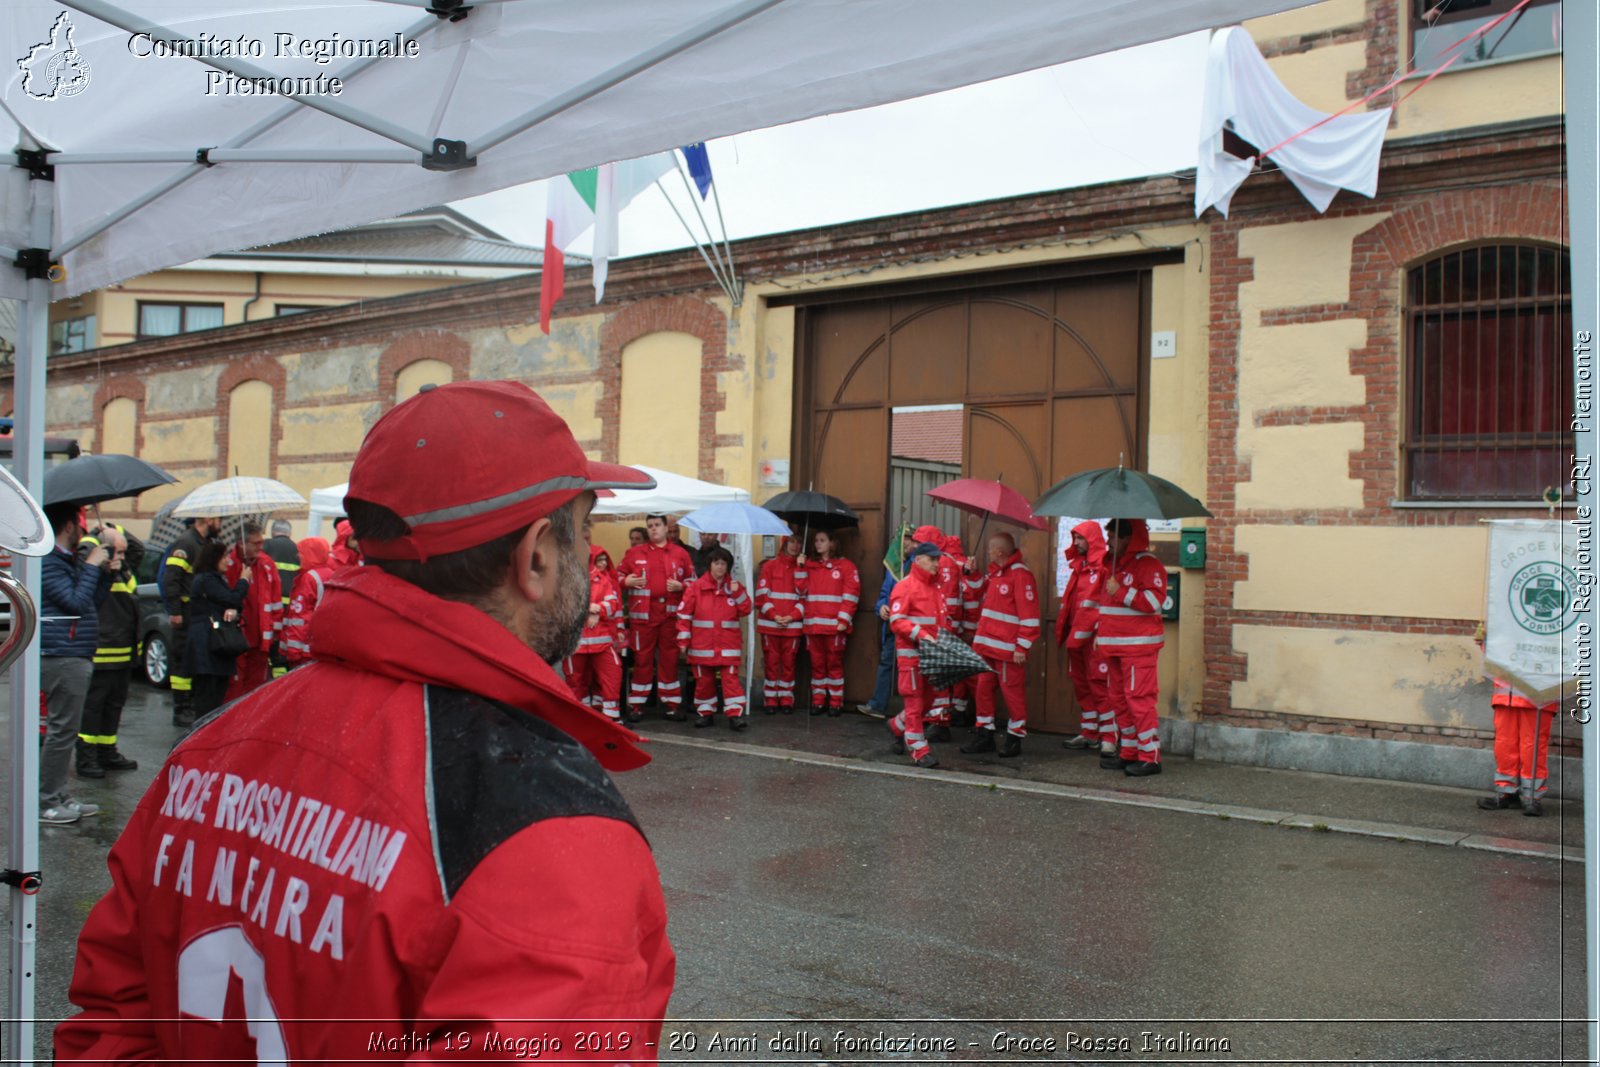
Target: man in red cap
417, 829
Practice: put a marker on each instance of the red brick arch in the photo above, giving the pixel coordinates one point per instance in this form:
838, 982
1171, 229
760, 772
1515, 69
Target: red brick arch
445, 347
669, 314
121, 387
256, 368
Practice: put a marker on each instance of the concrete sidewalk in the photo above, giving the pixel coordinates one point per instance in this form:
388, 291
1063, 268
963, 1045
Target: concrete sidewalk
1296, 800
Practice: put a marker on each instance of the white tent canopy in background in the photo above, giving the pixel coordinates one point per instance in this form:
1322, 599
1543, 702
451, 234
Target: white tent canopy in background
674, 493
326, 504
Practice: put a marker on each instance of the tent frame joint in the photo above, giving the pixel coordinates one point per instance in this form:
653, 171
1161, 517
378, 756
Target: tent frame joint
202, 156
448, 154
36, 162
34, 263
30, 882
453, 10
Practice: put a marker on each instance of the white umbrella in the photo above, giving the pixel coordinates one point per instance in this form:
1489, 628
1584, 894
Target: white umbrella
239, 496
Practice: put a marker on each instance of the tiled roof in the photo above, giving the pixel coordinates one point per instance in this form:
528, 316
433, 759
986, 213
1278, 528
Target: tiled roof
933, 436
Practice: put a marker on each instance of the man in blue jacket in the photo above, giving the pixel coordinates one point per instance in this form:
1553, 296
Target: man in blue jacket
878, 706
71, 592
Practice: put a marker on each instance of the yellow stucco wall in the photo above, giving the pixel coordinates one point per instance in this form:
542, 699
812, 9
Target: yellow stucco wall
660, 417
413, 376
175, 440
250, 430
1328, 15
579, 405
325, 430
120, 436
1482, 95
1415, 679
1317, 77
1432, 572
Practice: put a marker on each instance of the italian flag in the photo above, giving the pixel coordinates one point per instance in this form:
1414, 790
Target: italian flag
584, 199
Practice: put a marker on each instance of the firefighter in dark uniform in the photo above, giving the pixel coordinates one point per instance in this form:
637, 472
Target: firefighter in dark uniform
282, 550
113, 657
176, 578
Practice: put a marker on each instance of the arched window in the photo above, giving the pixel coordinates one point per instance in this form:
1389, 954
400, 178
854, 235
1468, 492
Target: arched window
1489, 375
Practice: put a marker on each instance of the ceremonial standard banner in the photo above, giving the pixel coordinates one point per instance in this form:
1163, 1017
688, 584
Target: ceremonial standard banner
1533, 590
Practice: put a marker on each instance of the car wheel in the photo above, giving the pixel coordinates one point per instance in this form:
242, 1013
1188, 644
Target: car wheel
157, 669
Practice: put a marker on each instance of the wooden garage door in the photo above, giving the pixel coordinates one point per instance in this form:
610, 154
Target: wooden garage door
1051, 379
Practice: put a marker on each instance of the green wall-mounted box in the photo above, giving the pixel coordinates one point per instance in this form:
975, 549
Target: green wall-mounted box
1169, 607
1192, 548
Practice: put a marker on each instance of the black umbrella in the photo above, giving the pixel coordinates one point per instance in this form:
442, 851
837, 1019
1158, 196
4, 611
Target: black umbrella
948, 660
92, 479
1118, 493
818, 511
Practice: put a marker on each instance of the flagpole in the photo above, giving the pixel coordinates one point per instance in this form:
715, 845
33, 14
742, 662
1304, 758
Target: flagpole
715, 273
711, 238
738, 289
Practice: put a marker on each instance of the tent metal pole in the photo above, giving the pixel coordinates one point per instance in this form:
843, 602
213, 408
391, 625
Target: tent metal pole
33, 343
711, 238
288, 111
738, 290
241, 155
697, 34
132, 23
712, 267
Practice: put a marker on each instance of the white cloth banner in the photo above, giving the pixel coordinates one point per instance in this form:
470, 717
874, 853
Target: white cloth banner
1242, 89
1534, 598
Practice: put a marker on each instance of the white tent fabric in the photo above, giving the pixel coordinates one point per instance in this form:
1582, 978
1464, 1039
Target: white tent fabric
326, 503
531, 89
673, 493
1342, 153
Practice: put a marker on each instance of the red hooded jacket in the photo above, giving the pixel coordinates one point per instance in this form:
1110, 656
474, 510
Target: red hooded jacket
952, 577
1080, 602
261, 618
1009, 619
916, 610
343, 555
780, 590
315, 570
1130, 618
708, 621
482, 878
603, 591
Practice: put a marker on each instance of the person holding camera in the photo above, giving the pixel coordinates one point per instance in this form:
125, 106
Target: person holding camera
113, 656
71, 589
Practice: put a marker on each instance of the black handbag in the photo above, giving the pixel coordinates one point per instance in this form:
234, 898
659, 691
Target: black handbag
227, 640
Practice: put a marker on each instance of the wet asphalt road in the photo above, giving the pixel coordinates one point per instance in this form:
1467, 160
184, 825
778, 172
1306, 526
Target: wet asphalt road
808, 902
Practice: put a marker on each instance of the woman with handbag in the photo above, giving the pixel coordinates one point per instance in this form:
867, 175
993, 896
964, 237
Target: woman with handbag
215, 639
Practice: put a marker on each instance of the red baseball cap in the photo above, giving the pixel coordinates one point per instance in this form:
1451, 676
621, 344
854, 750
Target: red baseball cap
467, 462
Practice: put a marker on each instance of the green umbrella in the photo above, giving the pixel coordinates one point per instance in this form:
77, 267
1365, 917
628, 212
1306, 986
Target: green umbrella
1118, 493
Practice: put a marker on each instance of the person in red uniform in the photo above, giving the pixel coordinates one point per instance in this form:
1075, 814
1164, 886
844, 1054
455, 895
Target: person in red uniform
1521, 749
280, 895
261, 618
780, 592
952, 575
346, 551
1075, 627
309, 585
710, 633
963, 696
1130, 635
654, 576
833, 589
1008, 628
595, 670
917, 612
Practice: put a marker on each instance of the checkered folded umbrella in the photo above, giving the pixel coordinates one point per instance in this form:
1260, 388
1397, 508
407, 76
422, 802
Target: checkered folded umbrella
239, 496
948, 660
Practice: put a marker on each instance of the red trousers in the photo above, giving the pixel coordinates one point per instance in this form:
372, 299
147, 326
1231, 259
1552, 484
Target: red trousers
705, 691
1088, 672
827, 669
596, 679
655, 654
917, 697
777, 659
1010, 679
250, 671
1522, 750
1132, 685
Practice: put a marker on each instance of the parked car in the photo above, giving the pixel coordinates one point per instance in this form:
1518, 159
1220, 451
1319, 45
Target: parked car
155, 627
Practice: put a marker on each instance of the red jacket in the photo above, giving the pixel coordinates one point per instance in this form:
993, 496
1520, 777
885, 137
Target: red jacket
603, 591
833, 589
1009, 619
952, 575
315, 570
780, 590
1080, 602
343, 555
262, 615
916, 610
1130, 619
708, 621
654, 603
483, 877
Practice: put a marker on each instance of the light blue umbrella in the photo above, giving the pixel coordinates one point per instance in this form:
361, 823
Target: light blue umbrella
731, 518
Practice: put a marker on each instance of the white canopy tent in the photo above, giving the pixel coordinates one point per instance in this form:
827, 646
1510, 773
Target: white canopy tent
326, 503
131, 158
674, 493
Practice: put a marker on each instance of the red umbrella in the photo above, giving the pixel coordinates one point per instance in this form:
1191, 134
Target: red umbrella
992, 500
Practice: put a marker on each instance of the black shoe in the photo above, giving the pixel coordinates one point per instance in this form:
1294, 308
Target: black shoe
1532, 808
700, 721
817, 710
89, 767
1141, 769
676, 716
1112, 763
963, 720
635, 716
938, 733
787, 709
927, 759
1498, 802
1010, 745
984, 742
1082, 743
738, 722
112, 760
897, 743
770, 709
184, 719
834, 713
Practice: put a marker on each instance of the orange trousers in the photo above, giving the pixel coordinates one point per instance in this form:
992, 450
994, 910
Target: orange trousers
1522, 749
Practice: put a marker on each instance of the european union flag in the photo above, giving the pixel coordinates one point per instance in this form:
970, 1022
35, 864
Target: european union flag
699, 166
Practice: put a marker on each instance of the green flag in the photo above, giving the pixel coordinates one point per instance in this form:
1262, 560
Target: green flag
893, 559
